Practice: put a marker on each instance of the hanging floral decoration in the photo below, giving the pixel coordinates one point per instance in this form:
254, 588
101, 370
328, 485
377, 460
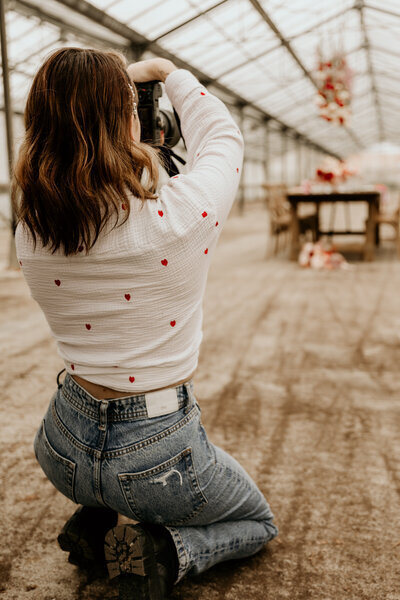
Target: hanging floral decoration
334, 171
333, 78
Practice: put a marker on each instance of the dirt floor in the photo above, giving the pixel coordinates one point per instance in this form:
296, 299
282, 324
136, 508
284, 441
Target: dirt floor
298, 378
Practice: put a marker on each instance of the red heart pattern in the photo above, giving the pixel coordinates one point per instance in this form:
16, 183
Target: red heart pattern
127, 296
202, 93
237, 169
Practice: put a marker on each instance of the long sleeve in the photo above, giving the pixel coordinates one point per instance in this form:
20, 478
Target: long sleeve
128, 314
214, 144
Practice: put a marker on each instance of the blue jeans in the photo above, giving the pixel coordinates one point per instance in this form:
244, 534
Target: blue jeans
160, 470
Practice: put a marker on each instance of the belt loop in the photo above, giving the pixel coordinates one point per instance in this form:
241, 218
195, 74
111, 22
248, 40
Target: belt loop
190, 394
103, 415
59, 385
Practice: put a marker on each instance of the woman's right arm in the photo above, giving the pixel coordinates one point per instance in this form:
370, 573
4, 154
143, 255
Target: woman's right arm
213, 140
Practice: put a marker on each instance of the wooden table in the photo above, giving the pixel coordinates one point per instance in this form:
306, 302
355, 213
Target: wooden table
371, 232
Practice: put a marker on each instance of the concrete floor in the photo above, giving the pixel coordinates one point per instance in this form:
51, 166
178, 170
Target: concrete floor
298, 378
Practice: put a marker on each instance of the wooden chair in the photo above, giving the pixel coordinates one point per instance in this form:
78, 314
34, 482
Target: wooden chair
280, 216
393, 219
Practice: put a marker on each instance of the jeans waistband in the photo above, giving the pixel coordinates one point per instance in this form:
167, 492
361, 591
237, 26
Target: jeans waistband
127, 408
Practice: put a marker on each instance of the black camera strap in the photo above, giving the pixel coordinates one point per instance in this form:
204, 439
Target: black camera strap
167, 154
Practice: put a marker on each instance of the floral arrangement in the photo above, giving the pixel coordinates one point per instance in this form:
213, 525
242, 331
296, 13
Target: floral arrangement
334, 171
333, 78
316, 256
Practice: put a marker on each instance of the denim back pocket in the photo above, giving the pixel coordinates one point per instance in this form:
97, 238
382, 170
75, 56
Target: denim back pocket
59, 470
168, 493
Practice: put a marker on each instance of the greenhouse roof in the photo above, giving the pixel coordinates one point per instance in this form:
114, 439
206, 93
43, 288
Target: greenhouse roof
260, 55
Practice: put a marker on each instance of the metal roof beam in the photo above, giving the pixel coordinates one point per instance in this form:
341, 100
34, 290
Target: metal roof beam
391, 93
283, 40
265, 52
290, 107
386, 92
23, 34
247, 61
320, 23
100, 17
384, 74
382, 10
389, 106
359, 5
385, 51
14, 67
27, 9
19, 113
256, 4
19, 71
200, 14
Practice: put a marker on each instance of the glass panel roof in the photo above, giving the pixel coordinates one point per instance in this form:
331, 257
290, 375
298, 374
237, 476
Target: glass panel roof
264, 51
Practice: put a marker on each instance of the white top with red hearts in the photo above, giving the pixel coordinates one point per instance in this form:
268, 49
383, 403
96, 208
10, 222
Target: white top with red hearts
128, 315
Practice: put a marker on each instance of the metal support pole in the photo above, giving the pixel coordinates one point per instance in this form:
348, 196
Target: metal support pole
241, 198
309, 162
283, 157
12, 260
266, 152
299, 161
312, 163
6, 89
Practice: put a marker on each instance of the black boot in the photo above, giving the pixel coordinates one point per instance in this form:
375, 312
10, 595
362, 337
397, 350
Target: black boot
143, 558
83, 536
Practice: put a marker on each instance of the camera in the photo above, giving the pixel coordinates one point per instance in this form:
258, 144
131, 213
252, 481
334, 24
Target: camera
158, 126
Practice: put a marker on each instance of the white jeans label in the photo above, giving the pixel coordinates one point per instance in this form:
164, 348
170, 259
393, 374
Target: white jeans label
161, 402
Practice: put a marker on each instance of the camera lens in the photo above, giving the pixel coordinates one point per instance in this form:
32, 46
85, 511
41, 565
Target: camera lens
171, 130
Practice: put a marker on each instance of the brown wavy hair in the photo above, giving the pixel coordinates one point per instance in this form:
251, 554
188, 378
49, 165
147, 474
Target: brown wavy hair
78, 163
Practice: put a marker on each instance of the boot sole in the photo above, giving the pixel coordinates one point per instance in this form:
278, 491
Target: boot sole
86, 551
130, 557
81, 553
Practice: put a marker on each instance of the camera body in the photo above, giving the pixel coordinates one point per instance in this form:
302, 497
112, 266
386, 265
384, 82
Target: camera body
158, 127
